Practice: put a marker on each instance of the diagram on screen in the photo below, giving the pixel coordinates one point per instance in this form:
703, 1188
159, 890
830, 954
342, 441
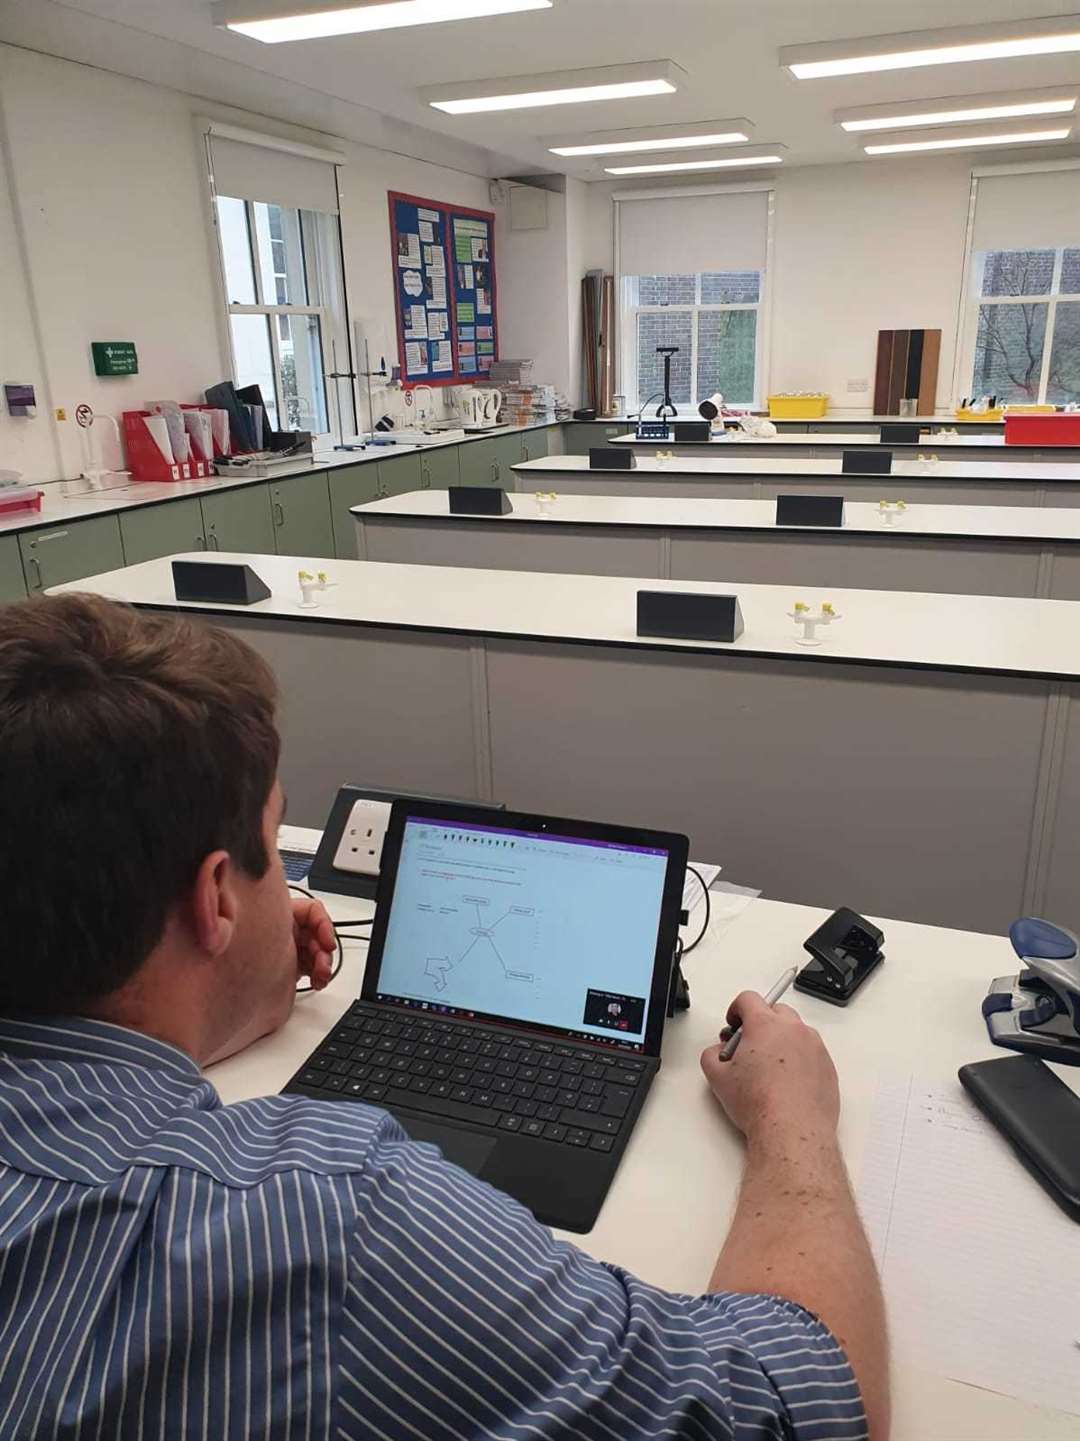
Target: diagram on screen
502, 939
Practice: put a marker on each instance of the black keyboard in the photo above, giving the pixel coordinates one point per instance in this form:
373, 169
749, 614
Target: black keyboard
296, 864
466, 1073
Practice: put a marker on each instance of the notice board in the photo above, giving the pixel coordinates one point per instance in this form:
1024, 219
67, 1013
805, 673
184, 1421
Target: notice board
444, 290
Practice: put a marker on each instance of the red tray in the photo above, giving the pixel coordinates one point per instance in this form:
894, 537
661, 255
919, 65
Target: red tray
1042, 429
26, 502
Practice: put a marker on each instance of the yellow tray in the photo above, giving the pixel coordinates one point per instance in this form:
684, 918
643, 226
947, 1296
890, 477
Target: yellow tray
797, 407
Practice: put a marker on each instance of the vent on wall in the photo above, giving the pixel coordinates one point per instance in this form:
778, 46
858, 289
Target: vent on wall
528, 208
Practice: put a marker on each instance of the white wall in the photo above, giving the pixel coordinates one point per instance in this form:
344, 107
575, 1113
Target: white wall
108, 177
533, 281
857, 248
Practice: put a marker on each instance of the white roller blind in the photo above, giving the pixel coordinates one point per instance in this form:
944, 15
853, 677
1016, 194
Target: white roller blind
251, 171
693, 234
1037, 210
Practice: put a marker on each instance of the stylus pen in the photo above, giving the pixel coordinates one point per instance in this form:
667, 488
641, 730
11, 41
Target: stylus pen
731, 1045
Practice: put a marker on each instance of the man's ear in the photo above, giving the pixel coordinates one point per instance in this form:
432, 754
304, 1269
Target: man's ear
214, 905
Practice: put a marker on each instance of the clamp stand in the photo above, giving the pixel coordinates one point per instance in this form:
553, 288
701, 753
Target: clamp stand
667, 405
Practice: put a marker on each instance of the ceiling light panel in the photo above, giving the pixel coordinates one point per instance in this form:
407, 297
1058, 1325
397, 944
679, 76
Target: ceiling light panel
701, 136
277, 21
971, 137
760, 155
1053, 35
560, 87
958, 109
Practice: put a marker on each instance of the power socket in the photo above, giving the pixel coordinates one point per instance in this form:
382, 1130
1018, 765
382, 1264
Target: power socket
361, 845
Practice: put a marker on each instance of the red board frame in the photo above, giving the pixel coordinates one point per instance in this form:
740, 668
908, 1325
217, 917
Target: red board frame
448, 213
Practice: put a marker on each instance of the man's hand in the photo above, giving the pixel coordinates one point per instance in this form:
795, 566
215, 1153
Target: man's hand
780, 1077
315, 941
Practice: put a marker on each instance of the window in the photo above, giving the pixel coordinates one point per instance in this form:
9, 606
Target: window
1026, 324
692, 275
713, 320
283, 288
1021, 312
275, 207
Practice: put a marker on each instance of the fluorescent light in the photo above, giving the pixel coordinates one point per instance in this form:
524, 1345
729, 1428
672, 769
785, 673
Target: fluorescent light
355, 19
631, 147
961, 115
687, 165
1055, 35
564, 87
968, 142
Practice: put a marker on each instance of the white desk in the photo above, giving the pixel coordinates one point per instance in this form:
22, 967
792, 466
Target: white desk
958, 549
731, 473
674, 1194
924, 762
833, 442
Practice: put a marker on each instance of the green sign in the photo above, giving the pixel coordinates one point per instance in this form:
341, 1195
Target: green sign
115, 357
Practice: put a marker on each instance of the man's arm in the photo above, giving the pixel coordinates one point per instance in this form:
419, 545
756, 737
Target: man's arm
796, 1232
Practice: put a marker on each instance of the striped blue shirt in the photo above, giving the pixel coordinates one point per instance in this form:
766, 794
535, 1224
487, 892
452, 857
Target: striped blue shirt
288, 1268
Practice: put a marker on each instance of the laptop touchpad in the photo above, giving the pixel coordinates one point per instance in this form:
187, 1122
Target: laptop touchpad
464, 1148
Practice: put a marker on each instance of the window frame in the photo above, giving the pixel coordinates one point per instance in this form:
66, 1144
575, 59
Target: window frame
973, 303
628, 368
626, 327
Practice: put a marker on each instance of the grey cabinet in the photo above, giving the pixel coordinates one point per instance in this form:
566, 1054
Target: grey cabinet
349, 486
399, 475
300, 508
171, 528
440, 468
535, 444
489, 461
53, 554
239, 520
12, 585
579, 435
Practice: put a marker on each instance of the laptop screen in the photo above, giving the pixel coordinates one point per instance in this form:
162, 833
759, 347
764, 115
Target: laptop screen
511, 925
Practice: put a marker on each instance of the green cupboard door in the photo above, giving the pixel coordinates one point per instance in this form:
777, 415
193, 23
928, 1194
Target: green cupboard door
12, 584
55, 554
349, 486
239, 520
440, 468
172, 528
301, 511
479, 463
536, 444
399, 475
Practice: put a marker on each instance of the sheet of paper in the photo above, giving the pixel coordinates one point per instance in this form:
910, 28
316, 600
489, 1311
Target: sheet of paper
483, 302
466, 313
693, 895
435, 259
483, 332
416, 358
981, 1269
408, 250
427, 231
432, 215
413, 282
442, 358
479, 248
435, 289
416, 323
438, 323
465, 332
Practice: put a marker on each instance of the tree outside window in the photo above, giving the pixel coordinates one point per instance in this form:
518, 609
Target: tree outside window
1027, 326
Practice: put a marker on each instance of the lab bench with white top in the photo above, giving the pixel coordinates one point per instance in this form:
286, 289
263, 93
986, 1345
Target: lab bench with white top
832, 442
982, 550
924, 761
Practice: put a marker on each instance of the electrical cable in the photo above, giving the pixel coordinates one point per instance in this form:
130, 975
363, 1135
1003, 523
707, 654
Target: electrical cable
685, 950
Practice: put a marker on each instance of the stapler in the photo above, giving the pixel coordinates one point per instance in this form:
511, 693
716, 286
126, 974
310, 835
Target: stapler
1038, 1010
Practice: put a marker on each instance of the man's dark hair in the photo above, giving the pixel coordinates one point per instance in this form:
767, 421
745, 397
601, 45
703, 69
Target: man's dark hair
131, 746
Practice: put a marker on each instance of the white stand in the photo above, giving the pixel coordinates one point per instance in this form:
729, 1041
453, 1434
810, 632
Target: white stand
309, 594
544, 501
810, 620
891, 511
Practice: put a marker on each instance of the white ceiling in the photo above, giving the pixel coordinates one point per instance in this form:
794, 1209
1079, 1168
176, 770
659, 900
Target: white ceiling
728, 50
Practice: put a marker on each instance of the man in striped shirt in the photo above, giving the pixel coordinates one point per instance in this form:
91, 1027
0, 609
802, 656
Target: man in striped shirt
287, 1268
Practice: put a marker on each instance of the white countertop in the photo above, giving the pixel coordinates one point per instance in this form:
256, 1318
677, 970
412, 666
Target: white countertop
996, 522
854, 440
761, 465
988, 634
58, 507
668, 1231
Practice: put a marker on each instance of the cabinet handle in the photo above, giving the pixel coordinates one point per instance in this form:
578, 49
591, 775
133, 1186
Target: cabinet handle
51, 535
279, 514
38, 584
495, 471
212, 542
200, 542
